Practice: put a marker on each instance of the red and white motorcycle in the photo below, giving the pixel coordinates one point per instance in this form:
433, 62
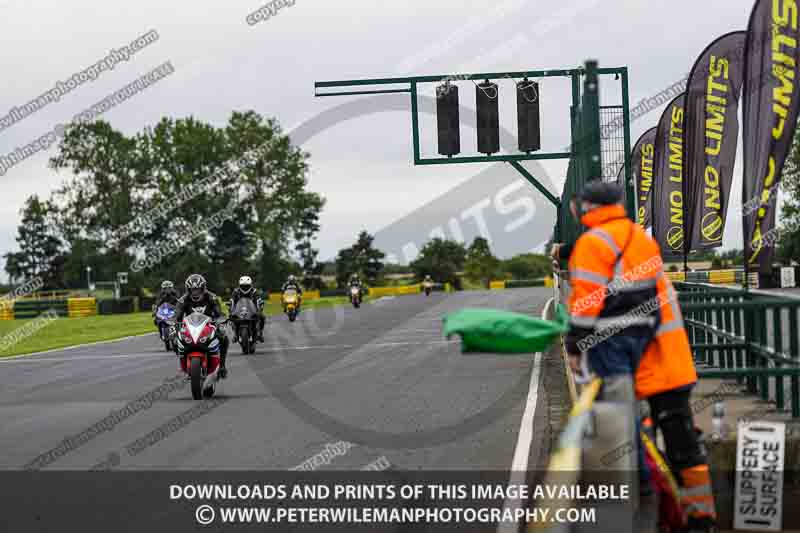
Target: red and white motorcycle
200, 341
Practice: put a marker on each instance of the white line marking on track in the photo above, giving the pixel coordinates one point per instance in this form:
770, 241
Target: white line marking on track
519, 465
79, 357
65, 348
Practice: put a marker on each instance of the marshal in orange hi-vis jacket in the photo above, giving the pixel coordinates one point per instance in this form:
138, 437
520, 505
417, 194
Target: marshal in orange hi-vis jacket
620, 293
619, 287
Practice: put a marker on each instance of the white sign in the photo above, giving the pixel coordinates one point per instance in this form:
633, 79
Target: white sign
787, 277
759, 476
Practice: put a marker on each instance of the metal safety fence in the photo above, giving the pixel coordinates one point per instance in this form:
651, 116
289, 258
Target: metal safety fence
750, 336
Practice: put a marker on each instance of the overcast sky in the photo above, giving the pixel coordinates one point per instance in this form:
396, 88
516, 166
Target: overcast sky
362, 166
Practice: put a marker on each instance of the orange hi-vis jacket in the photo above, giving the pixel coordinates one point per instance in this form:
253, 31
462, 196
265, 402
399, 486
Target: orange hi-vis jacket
619, 288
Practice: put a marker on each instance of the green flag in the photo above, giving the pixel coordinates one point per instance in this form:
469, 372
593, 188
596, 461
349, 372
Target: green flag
494, 331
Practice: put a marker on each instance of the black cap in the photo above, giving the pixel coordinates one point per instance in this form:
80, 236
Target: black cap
601, 193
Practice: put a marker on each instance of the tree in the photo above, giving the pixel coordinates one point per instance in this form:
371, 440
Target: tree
733, 257
274, 268
254, 171
441, 259
789, 237
39, 248
480, 264
304, 233
361, 258
231, 248
528, 266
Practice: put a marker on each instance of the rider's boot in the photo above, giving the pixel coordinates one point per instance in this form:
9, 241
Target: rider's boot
223, 353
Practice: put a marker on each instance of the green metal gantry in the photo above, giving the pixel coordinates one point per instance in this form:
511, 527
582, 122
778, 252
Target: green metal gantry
585, 146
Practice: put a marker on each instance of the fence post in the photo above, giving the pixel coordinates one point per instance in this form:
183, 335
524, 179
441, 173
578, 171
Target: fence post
793, 348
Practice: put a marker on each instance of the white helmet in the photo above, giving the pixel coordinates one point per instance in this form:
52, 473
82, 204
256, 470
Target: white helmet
245, 284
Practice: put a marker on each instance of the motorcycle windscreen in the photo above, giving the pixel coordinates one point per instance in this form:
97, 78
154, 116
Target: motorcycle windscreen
195, 323
245, 308
290, 296
165, 312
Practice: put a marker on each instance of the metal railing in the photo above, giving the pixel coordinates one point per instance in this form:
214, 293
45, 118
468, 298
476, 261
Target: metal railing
750, 336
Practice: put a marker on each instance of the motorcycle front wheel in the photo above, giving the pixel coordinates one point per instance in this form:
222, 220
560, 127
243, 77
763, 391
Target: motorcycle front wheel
244, 339
196, 375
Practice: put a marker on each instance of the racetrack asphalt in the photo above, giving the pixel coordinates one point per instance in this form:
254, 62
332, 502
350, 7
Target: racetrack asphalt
380, 378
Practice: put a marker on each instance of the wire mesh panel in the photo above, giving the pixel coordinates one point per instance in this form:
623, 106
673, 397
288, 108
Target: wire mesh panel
612, 142
587, 149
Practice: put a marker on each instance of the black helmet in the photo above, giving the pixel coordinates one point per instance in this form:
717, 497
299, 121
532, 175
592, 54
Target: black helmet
601, 193
196, 286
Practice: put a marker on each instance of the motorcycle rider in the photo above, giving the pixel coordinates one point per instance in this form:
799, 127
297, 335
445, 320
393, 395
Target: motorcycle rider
291, 283
355, 281
246, 289
168, 295
199, 299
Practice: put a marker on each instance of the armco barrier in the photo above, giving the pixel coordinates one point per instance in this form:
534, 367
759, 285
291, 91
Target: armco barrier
115, 307
676, 276
276, 297
520, 283
31, 308
331, 293
727, 277
716, 277
77, 307
146, 303
6, 310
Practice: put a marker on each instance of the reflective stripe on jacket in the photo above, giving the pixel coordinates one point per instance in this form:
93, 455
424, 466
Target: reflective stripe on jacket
667, 363
614, 269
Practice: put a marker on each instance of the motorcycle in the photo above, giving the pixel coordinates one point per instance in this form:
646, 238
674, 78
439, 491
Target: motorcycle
427, 287
199, 337
245, 318
291, 304
165, 320
355, 296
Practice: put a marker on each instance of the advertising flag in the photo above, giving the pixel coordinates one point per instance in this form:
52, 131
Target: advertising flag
711, 135
642, 161
769, 120
667, 200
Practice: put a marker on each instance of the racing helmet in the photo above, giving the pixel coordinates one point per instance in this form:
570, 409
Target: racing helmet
245, 284
167, 284
196, 287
